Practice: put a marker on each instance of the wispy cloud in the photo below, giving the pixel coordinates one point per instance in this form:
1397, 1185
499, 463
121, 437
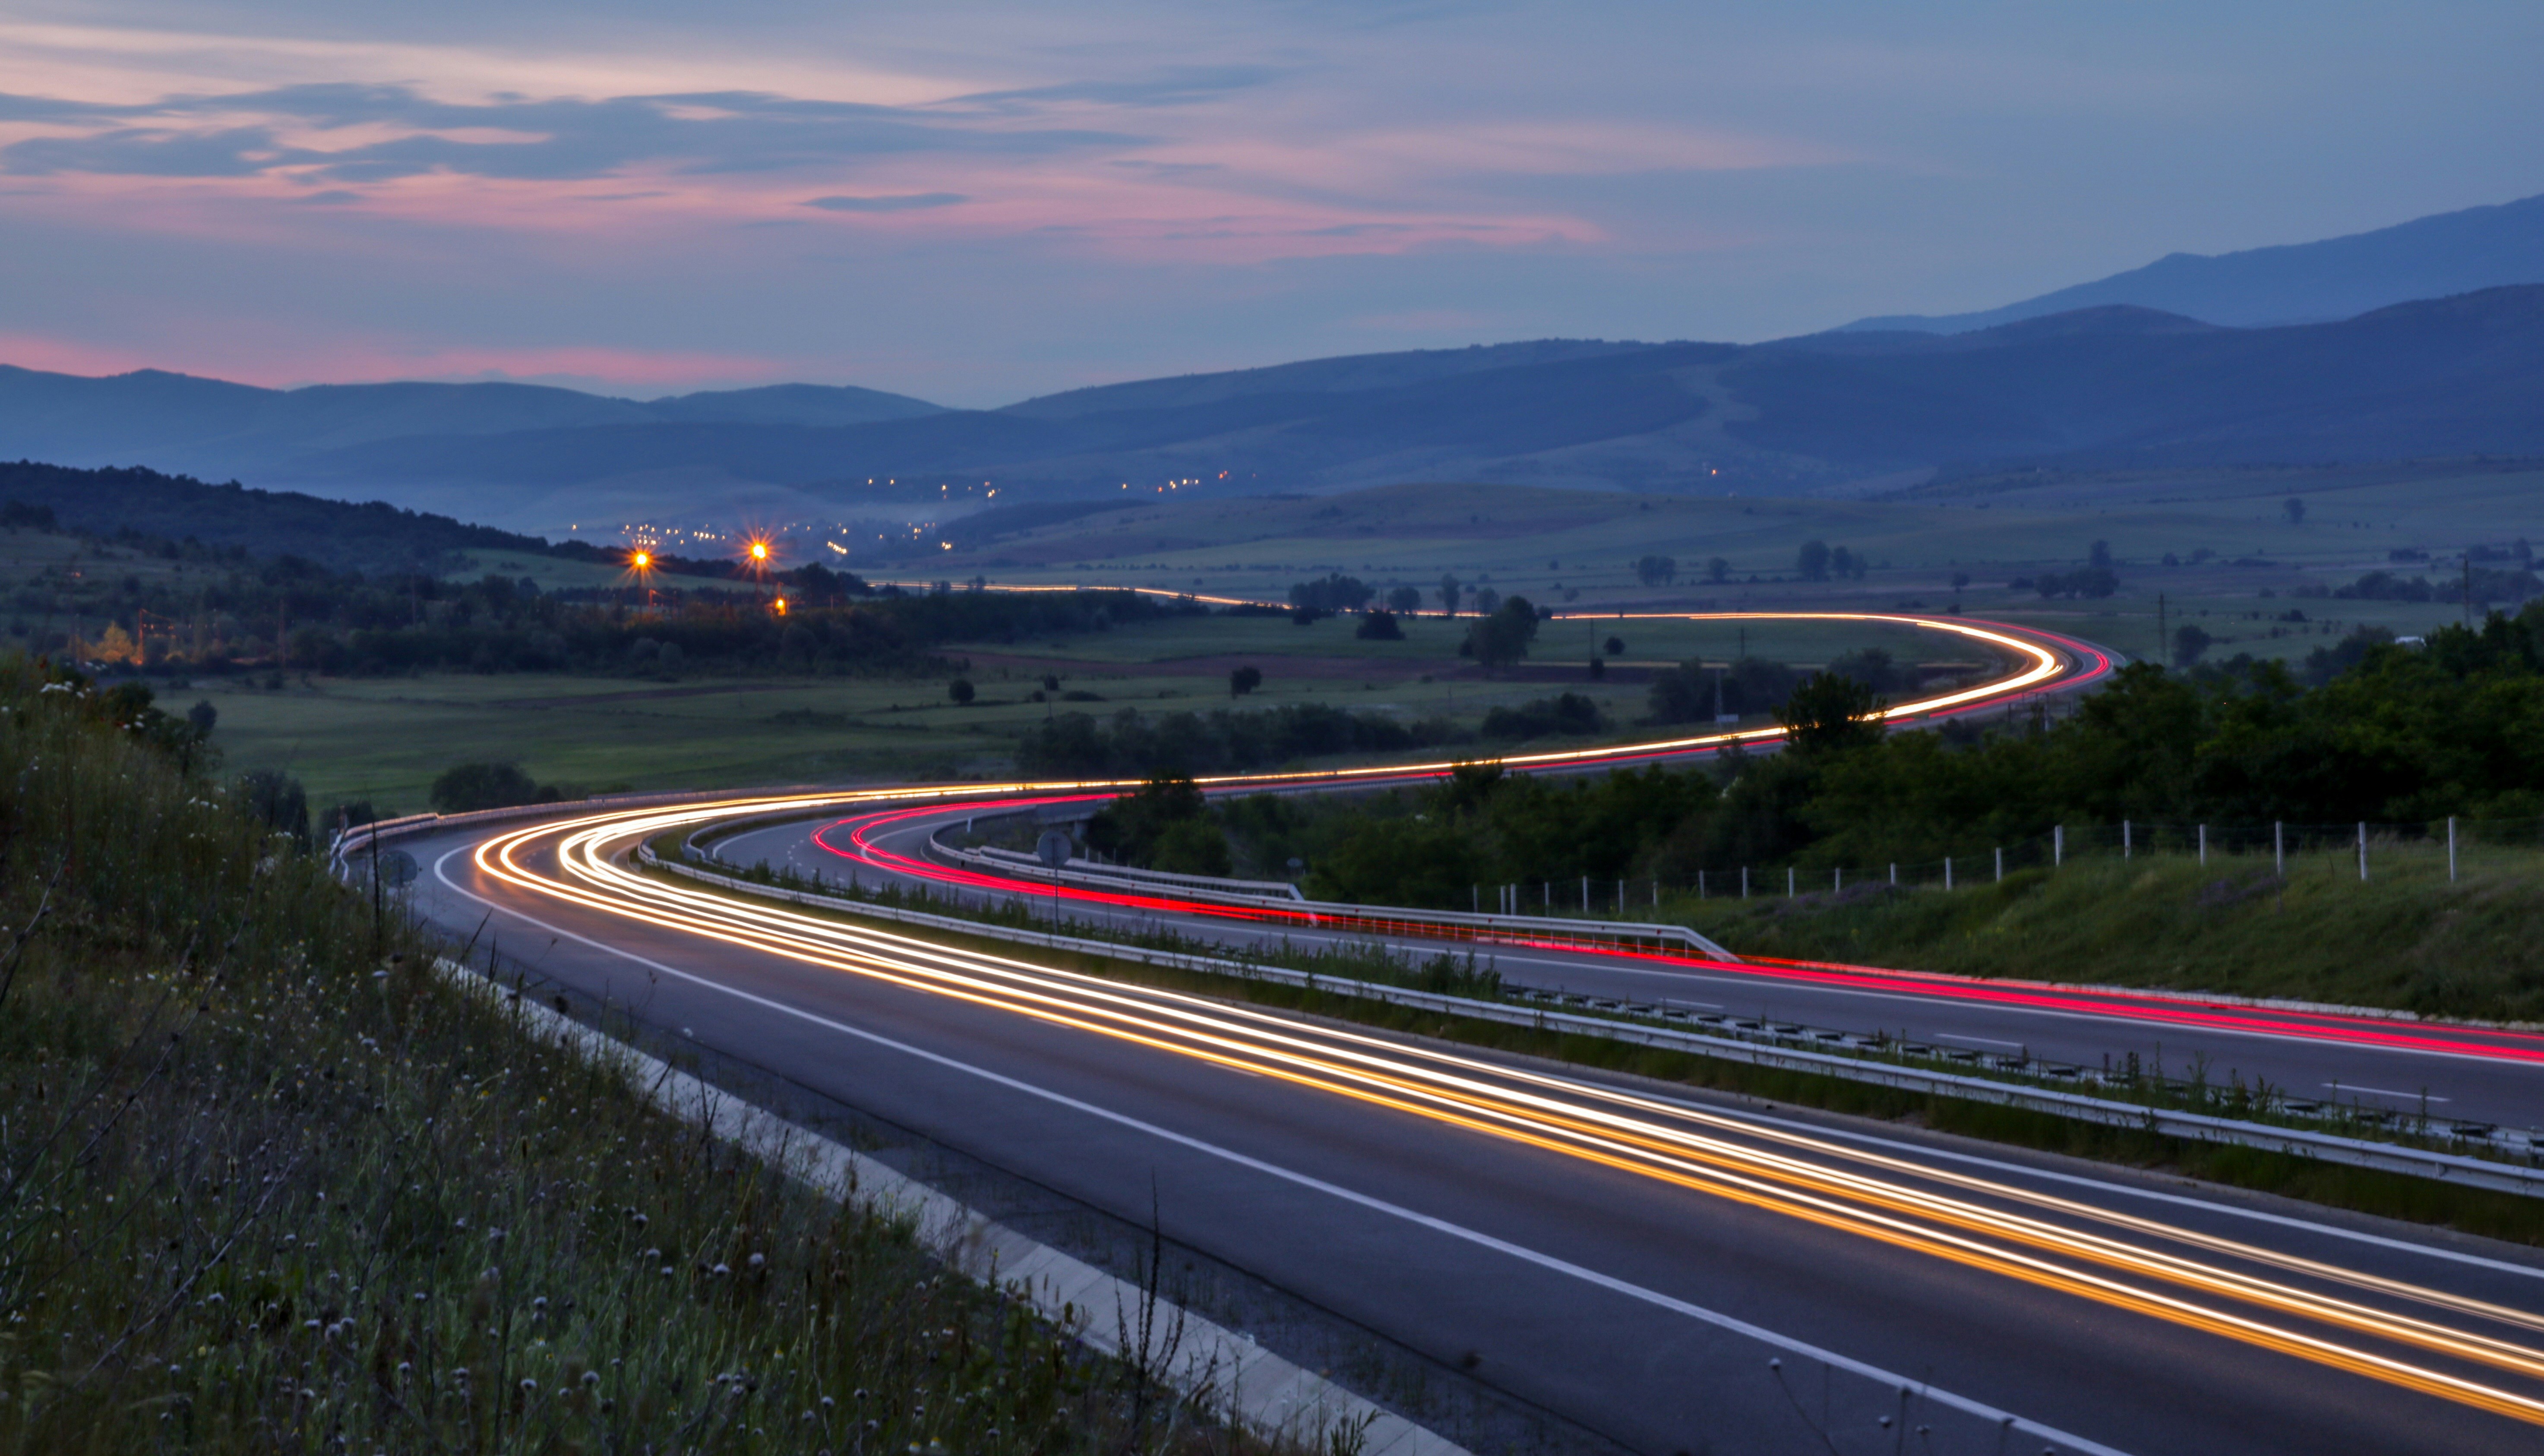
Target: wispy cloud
373, 133
889, 202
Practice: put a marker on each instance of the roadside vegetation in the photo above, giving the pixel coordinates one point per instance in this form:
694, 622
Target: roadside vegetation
2481, 1211
2403, 940
268, 1182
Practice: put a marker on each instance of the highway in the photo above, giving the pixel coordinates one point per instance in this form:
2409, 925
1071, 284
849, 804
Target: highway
2452, 1073
1628, 1257
1672, 1272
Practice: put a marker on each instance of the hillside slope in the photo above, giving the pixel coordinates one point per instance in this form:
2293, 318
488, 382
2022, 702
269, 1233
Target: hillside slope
2462, 376
2299, 283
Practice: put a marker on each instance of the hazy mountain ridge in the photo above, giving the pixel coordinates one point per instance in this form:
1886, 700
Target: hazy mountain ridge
2461, 375
2339, 278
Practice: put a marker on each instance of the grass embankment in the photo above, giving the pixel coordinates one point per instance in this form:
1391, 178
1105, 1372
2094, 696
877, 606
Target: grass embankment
269, 1183
2480, 1211
2406, 940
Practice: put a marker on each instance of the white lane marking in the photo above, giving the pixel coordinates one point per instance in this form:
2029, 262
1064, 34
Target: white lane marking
2383, 1093
1609, 1282
2001, 1167
1755, 985
1981, 1040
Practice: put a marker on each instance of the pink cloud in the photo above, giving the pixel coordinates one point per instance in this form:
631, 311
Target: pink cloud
285, 362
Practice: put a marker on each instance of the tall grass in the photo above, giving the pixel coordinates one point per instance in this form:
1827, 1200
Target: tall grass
266, 1183
2406, 938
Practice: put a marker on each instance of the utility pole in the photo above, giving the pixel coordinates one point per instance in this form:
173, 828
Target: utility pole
2162, 652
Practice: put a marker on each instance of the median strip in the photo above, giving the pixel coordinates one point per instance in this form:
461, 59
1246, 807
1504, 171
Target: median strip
2456, 1168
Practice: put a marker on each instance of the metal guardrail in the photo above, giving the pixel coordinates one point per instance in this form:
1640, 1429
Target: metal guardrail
1542, 932
2300, 1142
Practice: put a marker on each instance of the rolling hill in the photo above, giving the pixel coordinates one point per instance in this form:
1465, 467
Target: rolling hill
2299, 283
1844, 412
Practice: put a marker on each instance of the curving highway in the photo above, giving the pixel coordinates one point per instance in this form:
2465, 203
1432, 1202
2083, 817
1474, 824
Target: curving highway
1670, 1271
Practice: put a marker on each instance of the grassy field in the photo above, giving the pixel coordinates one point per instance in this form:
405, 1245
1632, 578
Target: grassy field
2406, 938
384, 740
1548, 543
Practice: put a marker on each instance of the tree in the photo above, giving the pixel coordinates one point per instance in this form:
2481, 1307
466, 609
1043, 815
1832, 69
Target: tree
1449, 591
471, 786
1486, 600
1655, 571
1336, 593
1191, 847
960, 690
1378, 625
1130, 827
1812, 561
1961, 579
1245, 680
279, 800
2296, 509
1502, 638
1405, 598
203, 715
1717, 570
2190, 640
2099, 554
1830, 712
1615, 646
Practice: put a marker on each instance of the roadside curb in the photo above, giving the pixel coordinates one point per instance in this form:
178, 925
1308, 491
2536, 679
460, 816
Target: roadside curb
1216, 1367
2191, 1126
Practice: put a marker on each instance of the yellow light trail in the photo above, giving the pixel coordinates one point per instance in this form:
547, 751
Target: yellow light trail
1820, 1182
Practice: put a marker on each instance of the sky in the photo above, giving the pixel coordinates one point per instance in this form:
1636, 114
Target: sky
975, 203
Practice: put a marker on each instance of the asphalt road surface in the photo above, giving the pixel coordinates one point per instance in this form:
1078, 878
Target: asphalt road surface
1675, 1273
2449, 1074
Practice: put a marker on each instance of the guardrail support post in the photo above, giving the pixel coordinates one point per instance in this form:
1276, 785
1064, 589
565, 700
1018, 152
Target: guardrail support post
2451, 848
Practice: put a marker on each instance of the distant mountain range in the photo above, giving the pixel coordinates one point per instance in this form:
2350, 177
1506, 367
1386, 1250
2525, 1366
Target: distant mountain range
1851, 411
2300, 282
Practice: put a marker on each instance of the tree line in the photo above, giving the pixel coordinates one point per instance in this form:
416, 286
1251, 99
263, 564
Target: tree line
2398, 736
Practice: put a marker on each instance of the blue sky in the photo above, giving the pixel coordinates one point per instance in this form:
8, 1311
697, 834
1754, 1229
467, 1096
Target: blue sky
975, 203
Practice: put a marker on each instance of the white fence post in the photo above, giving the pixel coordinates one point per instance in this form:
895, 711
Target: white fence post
2203, 844
2127, 848
1788, 882
1837, 879
2000, 864
2451, 848
1894, 871
2362, 851
2057, 846
2279, 848
1744, 882
1948, 871
1585, 894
